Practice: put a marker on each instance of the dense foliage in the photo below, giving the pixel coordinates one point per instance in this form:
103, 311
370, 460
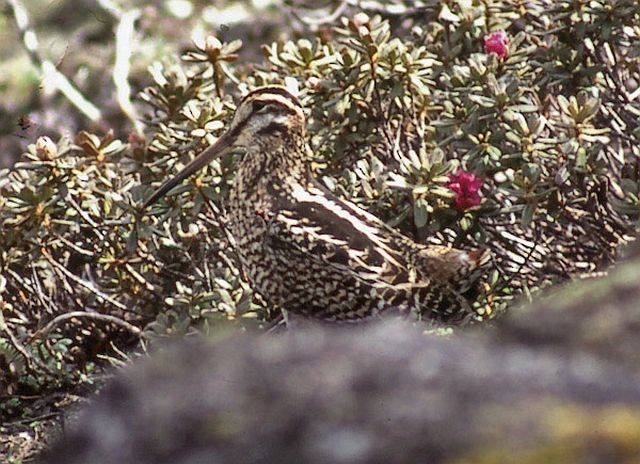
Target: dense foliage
536, 127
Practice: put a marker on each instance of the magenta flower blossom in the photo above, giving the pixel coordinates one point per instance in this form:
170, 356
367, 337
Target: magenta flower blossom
498, 43
466, 186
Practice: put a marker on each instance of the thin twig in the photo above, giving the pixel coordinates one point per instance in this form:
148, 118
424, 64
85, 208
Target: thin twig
45, 301
83, 283
321, 21
78, 249
382, 8
87, 315
49, 71
387, 8
111, 8
221, 218
84, 215
49, 415
20, 348
124, 41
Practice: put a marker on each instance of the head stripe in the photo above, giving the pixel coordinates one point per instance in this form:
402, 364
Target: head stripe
273, 90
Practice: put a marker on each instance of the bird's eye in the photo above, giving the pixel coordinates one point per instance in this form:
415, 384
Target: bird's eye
259, 106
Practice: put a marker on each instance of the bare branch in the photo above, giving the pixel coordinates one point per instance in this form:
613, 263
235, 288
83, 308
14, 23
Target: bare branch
386, 8
325, 20
124, 40
376, 7
20, 348
48, 69
87, 315
83, 283
110, 7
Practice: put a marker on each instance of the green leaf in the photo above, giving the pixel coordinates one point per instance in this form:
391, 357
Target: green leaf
420, 214
532, 172
527, 214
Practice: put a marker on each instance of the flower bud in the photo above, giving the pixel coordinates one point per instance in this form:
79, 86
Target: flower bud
45, 148
498, 43
466, 186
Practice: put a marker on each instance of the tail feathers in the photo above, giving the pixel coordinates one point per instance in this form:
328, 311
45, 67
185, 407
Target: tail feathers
479, 257
452, 264
456, 274
471, 267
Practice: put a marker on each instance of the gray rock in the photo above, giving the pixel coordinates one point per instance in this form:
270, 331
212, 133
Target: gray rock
379, 394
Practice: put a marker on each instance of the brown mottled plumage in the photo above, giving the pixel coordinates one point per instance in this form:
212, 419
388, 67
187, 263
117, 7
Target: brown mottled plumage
311, 253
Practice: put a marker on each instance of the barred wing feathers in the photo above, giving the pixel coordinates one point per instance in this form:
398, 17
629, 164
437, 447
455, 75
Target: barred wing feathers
351, 253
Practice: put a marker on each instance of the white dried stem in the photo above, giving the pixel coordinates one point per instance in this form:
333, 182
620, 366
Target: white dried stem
49, 72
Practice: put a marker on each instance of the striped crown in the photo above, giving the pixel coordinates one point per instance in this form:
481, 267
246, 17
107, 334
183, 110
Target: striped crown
266, 111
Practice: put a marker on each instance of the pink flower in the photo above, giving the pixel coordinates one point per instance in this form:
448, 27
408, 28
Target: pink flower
466, 186
498, 43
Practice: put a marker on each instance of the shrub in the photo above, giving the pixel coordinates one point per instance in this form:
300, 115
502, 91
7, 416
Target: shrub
545, 132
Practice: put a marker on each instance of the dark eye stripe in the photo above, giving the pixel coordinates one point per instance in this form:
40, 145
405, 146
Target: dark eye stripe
278, 106
258, 105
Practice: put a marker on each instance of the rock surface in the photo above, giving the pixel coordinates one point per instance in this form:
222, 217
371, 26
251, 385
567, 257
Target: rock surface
555, 382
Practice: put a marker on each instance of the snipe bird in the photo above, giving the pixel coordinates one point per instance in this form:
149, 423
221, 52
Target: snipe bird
310, 253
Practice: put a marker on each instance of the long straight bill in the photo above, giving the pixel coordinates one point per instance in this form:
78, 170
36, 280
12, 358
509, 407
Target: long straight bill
200, 161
